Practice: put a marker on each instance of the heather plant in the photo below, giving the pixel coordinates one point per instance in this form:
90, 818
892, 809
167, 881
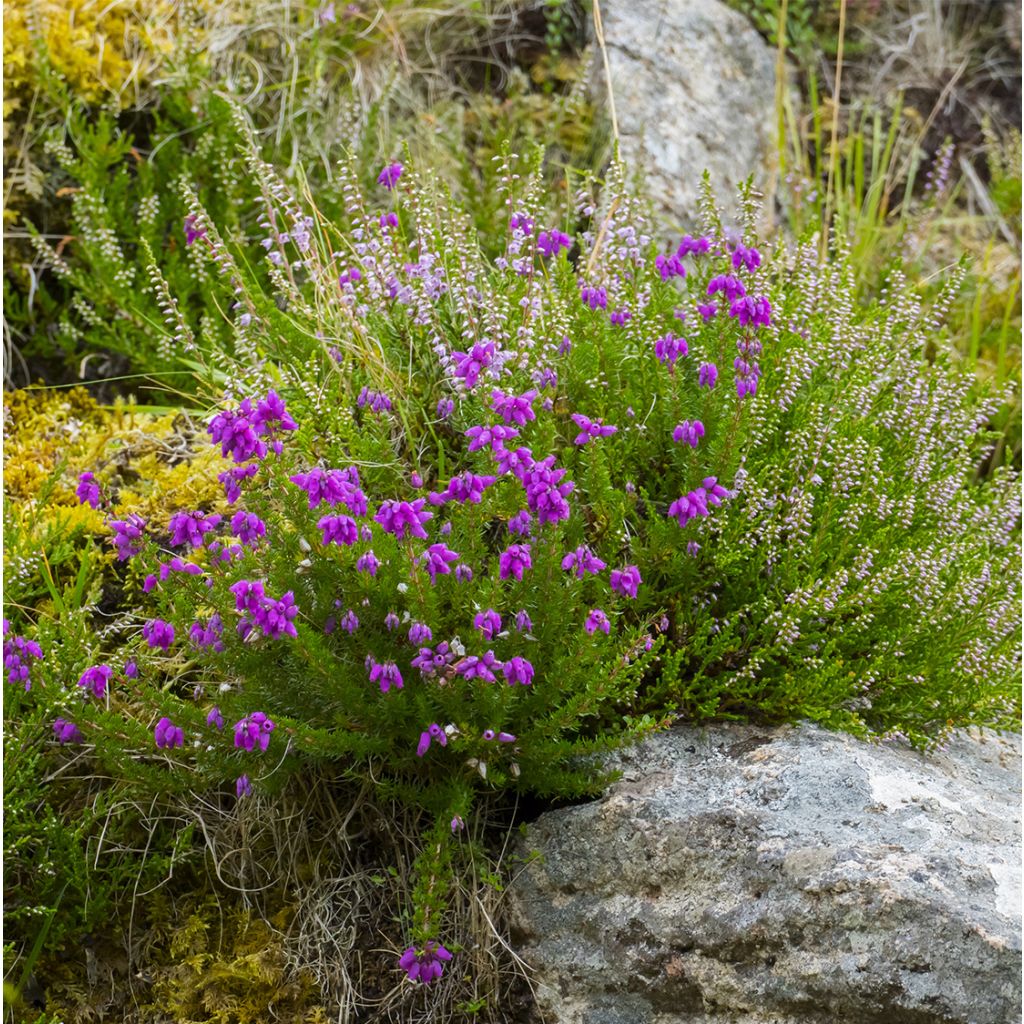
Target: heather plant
479, 519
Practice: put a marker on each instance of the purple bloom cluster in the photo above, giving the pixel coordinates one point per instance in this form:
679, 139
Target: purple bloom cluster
514, 408
208, 635
333, 486
545, 493
168, 735
95, 679
191, 527
339, 530
731, 287
231, 479
670, 266
688, 432
389, 176
467, 487
248, 527
514, 560
377, 401
429, 662
517, 670
707, 376
582, 561
368, 563
668, 349
88, 491
420, 633
551, 243
597, 620
253, 730
66, 732
502, 737
438, 559
17, 652
128, 533
493, 437
744, 257
755, 310
626, 581
590, 430
158, 633
274, 618
433, 732
404, 517
214, 719
693, 245
707, 310
488, 622
192, 232
426, 964
484, 667
595, 298
696, 502
620, 317
521, 523
385, 674
240, 433
469, 365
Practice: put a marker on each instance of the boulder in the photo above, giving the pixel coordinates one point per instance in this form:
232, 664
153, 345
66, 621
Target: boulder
694, 89
781, 876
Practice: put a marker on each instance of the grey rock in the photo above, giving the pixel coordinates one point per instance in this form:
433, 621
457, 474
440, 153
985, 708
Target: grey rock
781, 876
694, 90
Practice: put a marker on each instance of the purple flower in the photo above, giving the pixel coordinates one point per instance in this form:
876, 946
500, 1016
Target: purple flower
669, 349
243, 787
620, 317
390, 175
333, 486
523, 623
214, 719
438, 558
696, 502
445, 407
420, 633
597, 620
514, 408
689, 432
458, 824
128, 533
506, 737
707, 377
232, 479
520, 222
275, 617
545, 493
350, 276
131, 670
693, 245
426, 964
391, 622
272, 415
168, 735
521, 523
469, 365
744, 257
484, 668
158, 633
248, 527
467, 487
349, 622
66, 732
192, 232
669, 267
595, 298
518, 670
368, 563
551, 243
582, 561
387, 675
235, 431
731, 286
692, 548
377, 401
434, 732
249, 595
752, 310
88, 491
463, 573
339, 530
514, 560
517, 462
430, 661
489, 437
402, 517
253, 730
626, 581
747, 375
389, 220
707, 310
95, 679
591, 429
416, 480
488, 622
190, 527
17, 652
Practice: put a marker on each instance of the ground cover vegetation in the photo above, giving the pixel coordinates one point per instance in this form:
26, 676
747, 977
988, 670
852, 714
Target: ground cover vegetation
418, 475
